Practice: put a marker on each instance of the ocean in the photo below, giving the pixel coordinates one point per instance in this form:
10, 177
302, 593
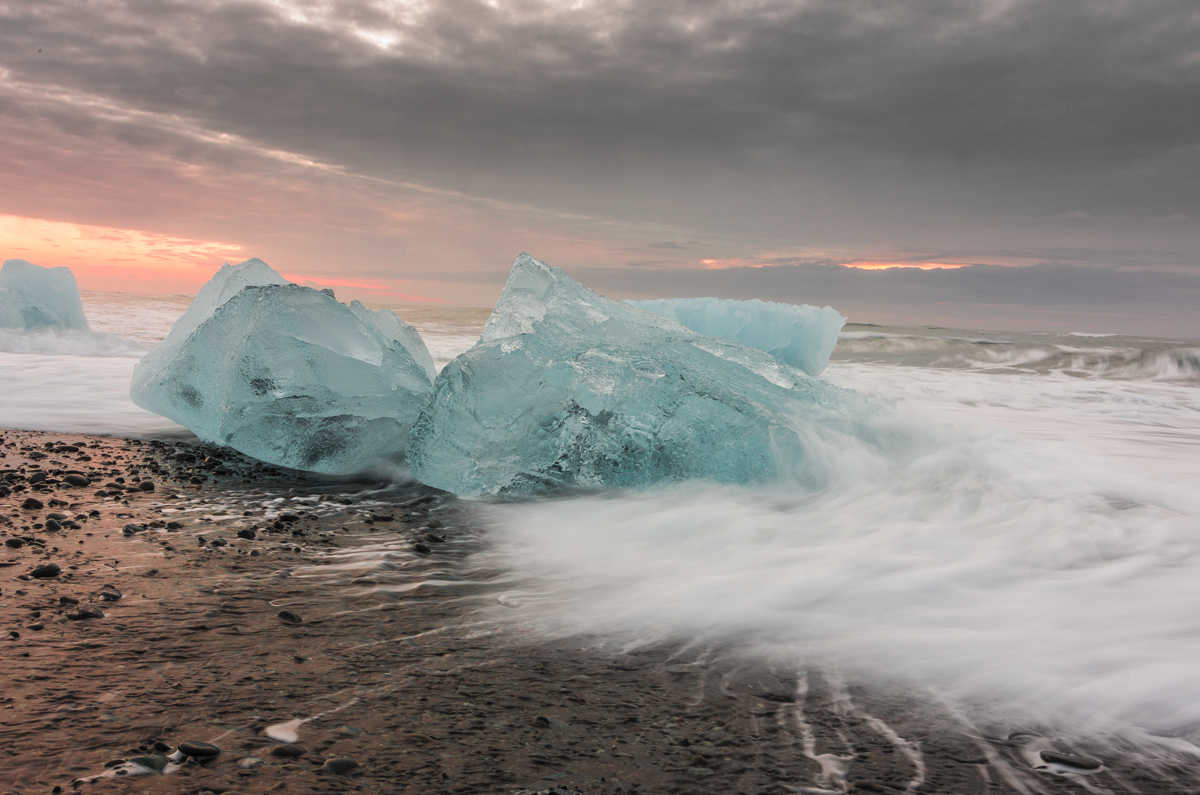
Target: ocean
1027, 545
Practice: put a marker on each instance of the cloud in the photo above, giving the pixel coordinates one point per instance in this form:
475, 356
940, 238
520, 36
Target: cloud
386, 138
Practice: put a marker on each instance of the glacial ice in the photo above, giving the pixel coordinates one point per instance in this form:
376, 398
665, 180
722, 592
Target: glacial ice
287, 374
799, 334
568, 389
35, 297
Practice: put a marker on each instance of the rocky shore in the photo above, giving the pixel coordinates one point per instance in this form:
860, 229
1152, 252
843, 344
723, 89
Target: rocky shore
177, 619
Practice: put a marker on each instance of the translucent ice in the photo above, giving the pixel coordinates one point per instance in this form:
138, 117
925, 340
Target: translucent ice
288, 375
568, 389
35, 297
799, 334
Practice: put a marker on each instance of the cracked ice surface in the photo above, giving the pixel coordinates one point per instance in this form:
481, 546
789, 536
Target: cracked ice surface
288, 375
35, 297
568, 389
799, 334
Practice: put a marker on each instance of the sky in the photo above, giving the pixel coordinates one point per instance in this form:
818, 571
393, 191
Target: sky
1008, 164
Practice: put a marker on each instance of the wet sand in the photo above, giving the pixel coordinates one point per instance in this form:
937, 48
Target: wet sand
341, 624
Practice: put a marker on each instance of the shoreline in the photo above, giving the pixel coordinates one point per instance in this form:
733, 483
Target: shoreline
293, 622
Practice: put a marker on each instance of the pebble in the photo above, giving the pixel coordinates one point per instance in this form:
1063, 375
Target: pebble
382, 517
86, 612
288, 617
422, 548
340, 765
146, 485
1081, 762
46, 570
199, 750
76, 480
68, 600
251, 762
53, 525
156, 762
288, 751
247, 534
32, 504
174, 525
14, 543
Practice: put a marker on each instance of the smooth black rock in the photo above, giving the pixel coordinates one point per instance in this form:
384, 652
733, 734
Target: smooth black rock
247, 534
110, 595
146, 485
68, 600
185, 457
37, 477
57, 516
53, 525
1081, 762
76, 480
288, 617
156, 762
340, 765
288, 751
199, 750
86, 612
422, 548
174, 525
14, 543
382, 517
32, 504
46, 570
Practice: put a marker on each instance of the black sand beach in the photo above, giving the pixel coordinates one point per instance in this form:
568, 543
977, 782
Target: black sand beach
149, 600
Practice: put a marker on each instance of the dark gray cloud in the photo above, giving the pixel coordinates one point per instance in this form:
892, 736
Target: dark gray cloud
645, 134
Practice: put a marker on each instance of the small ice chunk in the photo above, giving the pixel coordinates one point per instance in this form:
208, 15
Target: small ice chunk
35, 297
568, 389
799, 334
288, 375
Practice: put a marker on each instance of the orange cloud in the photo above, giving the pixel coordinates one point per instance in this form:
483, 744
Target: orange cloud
373, 288
868, 265
109, 259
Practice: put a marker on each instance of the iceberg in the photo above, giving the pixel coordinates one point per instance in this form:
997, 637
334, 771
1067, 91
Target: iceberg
35, 297
567, 389
798, 334
287, 374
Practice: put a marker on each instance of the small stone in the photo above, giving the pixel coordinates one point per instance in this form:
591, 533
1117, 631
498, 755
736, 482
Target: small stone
340, 765
86, 612
57, 516
218, 542
130, 529
110, 595
350, 731
174, 525
146, 485
288, 617
53, 525
382, 517
422, 548
156, 762
46, 570
199, 750
542, 722
32, 504
38, 627
68, 600
247, 534
251, 762
76, 480
288, 751
14, 543
1081, 762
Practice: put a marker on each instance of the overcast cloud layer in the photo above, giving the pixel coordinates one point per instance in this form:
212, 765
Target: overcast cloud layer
425, 144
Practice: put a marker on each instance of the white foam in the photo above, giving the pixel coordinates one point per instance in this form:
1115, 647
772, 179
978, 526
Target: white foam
1049, 577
